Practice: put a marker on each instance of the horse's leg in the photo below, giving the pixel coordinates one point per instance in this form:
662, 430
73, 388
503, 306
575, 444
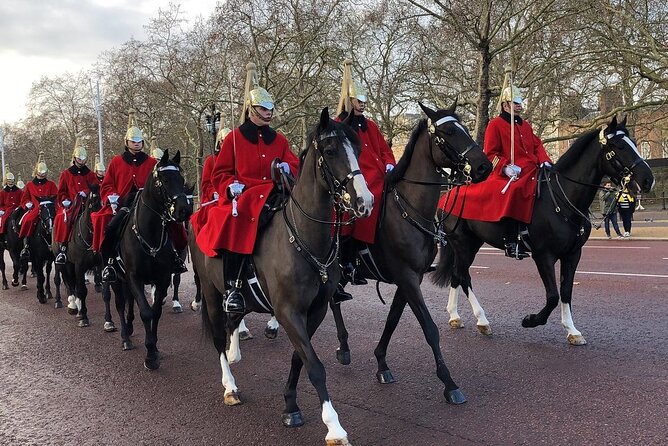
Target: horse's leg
176, 305
197, 302
97, 279
568, 266
482, 322
5, 284
300, 332
57, 281
23, 270
47, 280
38, 266
384, 375
271, 329
149, 316
121, 304
16, 268
455, 320
244, 332
545, 265
81, 292
343, 352
106, 297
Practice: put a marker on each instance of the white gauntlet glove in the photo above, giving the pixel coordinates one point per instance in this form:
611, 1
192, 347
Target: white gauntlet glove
2, 212
285, 166
29, 205
389, 167
512, 171
66, 203
235, 189
546, 165
82, 194
215, 195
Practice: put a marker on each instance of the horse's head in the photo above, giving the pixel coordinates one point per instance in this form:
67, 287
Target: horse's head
452, 145
47, 211
94, 200
168, 186
337, 149
621, 160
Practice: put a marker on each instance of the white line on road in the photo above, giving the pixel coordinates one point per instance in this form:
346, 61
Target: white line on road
601, 273
618, 247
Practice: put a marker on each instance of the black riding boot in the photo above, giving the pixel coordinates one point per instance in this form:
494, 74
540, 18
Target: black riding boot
25, 252
61, 258
107, 249
341, 295
513, 244
349, 263
234, 300
179, 264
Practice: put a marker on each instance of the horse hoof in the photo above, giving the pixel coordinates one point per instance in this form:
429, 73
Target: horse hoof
41, 299
456, 323
338, 442
195, 306
152, 363
49, 296
109, 327
72, 311
15, 283
270, 333
293, 419
128, 345
24, 287
576, 340
232, 399
5, 286
454, 396
343, 356
98, 287
385, 377
178, 309
529, 321
245, 335
485, 329
58, 304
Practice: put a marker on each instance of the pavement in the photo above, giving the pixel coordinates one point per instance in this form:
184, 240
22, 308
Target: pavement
647, 225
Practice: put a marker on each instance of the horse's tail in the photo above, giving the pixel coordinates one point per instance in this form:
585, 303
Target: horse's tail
446, 266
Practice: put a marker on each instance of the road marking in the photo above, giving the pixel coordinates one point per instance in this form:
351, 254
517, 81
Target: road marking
480, 267
601, 273
618, 247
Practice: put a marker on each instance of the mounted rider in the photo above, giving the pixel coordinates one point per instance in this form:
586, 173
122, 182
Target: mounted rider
376, 159
508, 194
99, 169
10, 199
242, 177
125, 177
39, 187
73, 187
208, 194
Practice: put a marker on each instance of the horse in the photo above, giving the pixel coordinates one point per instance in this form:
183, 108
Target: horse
559, 227
407, 237
14, 245
82, 259
295, 260
39, 244
183, 254
146, 253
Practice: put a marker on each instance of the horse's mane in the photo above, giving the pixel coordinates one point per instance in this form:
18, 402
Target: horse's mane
393, 177
574, 152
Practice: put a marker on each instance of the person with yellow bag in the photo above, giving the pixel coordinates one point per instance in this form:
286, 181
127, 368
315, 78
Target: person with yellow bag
626, 203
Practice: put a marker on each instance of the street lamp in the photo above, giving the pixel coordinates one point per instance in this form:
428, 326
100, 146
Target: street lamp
212, 124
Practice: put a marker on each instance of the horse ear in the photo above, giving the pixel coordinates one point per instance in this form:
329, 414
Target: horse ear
613, 123
177, 157
453, 107
431, 114
165, 156
324, 118
623, 123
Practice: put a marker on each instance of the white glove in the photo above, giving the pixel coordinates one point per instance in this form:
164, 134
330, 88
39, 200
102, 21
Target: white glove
235, 189
113, 198
512, 170
2, 213
389, 167
29, 205
67, 203
82, 194
285, 166
215, 195
546, 165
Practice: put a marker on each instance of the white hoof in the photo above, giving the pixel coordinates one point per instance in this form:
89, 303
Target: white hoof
576, 340
485, 329
195, 306
456, 323
72, 302
176, 306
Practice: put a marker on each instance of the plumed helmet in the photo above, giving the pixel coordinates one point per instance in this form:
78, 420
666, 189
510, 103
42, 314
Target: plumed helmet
350, 88
155, 151
9, 177
40, 167
220, 136
99, 165
79, 150
134, 133
511, 94
254, 94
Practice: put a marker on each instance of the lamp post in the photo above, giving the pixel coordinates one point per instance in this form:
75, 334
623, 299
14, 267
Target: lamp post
212, 124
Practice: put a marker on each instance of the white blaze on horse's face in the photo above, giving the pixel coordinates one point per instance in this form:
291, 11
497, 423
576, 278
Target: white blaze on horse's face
364, 203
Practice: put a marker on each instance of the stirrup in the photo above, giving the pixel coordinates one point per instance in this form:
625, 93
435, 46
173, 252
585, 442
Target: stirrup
25, 254
179, 266
513, 250
234, 302
350, 273
109, 274
61, 258
340, 295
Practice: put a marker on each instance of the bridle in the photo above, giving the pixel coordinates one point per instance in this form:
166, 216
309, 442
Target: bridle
625, 172
91, 200
46, 223
460, 159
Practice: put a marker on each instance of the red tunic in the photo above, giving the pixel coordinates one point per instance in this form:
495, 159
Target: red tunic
198, 219
374, 158
72, 181
34, 189
484, 201
124, 173
250, 164
10, 199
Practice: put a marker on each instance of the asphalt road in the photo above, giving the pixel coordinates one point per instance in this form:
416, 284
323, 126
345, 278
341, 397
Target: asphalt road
65, 385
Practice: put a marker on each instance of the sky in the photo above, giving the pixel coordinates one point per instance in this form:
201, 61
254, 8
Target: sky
52, 37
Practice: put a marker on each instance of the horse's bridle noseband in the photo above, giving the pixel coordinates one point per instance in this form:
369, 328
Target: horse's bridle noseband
625, 172
337, 188
168, 210
460, 158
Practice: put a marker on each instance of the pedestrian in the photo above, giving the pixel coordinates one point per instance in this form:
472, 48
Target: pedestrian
626, 203
609, 206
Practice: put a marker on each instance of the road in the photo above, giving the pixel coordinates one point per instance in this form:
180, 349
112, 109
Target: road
65, 385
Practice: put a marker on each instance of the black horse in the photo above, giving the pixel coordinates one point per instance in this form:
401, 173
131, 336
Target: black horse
559, 228
81, 259
406, 239
14, 245
183, 254
39, 244
146, 253
296, 265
